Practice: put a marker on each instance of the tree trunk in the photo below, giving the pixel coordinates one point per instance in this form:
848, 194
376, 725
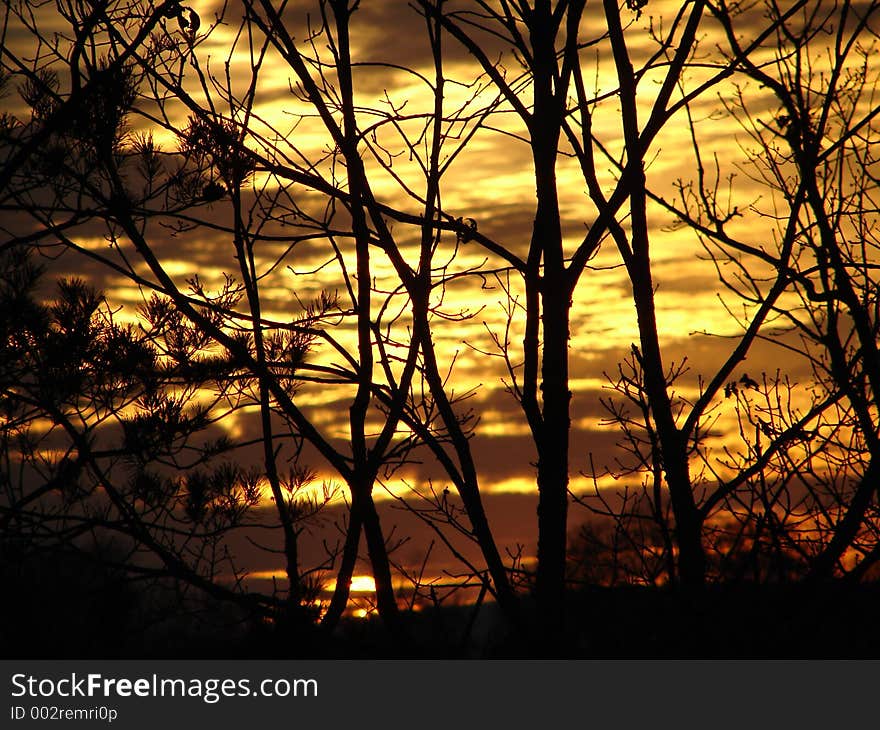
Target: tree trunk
673, 443
552, 440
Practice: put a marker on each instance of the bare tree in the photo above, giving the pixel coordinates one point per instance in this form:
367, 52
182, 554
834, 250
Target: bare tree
816, 154
333, 255
551, 96
803, 486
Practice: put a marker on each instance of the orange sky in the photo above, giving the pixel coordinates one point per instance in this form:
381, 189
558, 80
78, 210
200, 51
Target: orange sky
490, 182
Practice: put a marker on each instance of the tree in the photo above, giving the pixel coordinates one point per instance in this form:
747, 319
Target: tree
817, 445
102, 443
338, 256
123, 405
550, 98
134, 186
797, 488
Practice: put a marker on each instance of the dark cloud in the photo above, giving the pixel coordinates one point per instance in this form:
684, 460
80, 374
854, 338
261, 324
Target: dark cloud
511, 517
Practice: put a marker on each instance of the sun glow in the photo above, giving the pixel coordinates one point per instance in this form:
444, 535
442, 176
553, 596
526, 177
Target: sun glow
363, 584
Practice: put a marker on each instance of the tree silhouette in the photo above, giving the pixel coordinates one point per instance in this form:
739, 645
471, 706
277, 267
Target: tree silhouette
815, 158
338, 259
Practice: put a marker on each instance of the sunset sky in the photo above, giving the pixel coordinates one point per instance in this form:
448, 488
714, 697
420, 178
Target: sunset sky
491, 181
